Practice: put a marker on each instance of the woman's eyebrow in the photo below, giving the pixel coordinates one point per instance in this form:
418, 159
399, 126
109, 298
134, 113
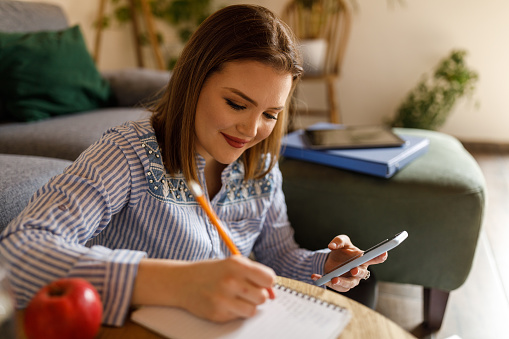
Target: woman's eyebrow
245, 97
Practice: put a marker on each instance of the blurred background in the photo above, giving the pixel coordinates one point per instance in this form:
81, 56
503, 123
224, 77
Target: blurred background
392, 44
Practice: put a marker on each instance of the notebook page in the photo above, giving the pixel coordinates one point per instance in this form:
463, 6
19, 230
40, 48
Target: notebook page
289, 315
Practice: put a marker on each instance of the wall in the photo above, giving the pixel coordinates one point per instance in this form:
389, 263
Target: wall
390, 48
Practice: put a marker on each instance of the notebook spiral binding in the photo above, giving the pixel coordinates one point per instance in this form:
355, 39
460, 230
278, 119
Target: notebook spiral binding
310, 298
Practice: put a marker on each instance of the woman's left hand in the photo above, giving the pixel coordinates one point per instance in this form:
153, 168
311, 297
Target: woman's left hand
342, 249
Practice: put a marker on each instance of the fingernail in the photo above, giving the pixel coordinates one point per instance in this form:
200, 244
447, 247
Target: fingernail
272, 295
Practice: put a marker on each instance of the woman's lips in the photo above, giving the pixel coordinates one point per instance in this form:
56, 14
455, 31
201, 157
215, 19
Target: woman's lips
235, 142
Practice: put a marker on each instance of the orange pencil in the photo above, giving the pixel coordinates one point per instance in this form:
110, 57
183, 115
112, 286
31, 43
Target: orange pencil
200, 197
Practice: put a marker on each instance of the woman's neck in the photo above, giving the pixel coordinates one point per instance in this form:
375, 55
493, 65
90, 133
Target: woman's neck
213, 171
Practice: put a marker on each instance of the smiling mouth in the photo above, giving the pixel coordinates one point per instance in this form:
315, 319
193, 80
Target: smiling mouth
235, 142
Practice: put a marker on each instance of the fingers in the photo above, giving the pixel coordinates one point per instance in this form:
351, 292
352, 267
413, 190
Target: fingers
347, 281
340, 241
341, 245
247, 285
242, 303
252, 294
340, 284
223, 308
258, 274
378, 260
223, 290
359, 272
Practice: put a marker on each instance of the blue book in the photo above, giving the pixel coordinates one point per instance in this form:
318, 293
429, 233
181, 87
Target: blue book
381, 162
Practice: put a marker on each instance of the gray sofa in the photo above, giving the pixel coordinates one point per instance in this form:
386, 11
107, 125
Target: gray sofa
33, 152
66, 136
439, 198
20, 177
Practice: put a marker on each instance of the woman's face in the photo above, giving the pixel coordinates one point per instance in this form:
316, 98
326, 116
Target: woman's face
237, 108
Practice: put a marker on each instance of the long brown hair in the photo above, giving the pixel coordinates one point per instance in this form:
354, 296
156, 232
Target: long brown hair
234, 33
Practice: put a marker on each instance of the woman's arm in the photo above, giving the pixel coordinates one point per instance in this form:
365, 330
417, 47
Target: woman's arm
218, 290
47, 240
276, 247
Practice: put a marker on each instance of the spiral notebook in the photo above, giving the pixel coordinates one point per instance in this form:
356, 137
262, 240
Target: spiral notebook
290, 315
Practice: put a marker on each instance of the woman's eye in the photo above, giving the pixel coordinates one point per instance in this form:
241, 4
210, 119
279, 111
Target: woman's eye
234, 105
270, 116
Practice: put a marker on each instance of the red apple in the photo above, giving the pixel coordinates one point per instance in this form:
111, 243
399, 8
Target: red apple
65, 308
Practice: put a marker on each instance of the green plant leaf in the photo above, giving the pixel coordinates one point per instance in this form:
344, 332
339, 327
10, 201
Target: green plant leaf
428, 105
123, 14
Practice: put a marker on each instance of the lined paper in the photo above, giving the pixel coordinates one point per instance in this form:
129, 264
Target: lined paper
290, 315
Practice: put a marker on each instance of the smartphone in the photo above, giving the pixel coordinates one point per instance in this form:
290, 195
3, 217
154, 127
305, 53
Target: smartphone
353, 137
373, 252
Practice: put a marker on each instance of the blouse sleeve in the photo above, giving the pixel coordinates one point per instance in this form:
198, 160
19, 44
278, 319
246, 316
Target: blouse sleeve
276, 246
47, 241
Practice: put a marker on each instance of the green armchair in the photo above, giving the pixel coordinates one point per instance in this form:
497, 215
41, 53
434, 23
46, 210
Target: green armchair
439, 199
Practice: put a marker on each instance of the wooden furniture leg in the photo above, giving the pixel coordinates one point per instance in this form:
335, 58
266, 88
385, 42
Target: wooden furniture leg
136, 33
98, 33
147, 14
435, 302
333, 105
149, 23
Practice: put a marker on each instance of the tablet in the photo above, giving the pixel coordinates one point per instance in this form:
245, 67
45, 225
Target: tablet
353, 137
373, 252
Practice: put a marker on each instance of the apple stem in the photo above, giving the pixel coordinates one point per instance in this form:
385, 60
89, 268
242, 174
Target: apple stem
56, 291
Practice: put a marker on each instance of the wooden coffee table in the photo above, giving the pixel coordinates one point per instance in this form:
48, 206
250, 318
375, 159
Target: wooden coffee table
365, 323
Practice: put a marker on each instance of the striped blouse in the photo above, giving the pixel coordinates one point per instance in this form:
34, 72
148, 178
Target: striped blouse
116, 205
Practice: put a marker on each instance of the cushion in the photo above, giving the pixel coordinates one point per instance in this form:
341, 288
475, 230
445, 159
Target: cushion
20, 178
137, 86
64, 137
49, 73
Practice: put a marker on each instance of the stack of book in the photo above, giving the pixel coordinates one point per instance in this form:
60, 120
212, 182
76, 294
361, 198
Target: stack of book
372, 159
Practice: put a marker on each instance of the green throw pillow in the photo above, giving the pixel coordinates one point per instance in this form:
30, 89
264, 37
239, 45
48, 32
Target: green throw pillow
49, 73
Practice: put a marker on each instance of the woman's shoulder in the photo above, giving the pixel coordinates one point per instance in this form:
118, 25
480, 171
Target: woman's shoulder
130, 132
141, 127
132, 137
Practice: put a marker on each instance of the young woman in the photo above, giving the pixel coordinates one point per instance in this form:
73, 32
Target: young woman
122, 215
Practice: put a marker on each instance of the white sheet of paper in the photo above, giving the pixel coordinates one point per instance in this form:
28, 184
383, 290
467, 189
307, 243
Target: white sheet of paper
289, 315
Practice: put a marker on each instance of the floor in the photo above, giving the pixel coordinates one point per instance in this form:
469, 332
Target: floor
480, 308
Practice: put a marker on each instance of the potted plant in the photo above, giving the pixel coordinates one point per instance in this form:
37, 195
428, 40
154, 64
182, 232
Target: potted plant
430, 102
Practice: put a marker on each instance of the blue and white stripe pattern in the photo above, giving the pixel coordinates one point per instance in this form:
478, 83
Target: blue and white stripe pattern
116, 205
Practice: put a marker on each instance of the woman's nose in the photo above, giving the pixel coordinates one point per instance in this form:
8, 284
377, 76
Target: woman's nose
249, 126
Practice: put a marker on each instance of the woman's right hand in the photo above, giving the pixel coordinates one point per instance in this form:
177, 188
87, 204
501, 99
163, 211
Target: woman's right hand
218, 290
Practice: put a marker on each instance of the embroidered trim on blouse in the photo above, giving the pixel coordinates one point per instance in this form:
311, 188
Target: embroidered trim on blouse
173, 189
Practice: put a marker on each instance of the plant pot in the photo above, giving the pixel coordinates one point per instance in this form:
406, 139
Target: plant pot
313, 55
